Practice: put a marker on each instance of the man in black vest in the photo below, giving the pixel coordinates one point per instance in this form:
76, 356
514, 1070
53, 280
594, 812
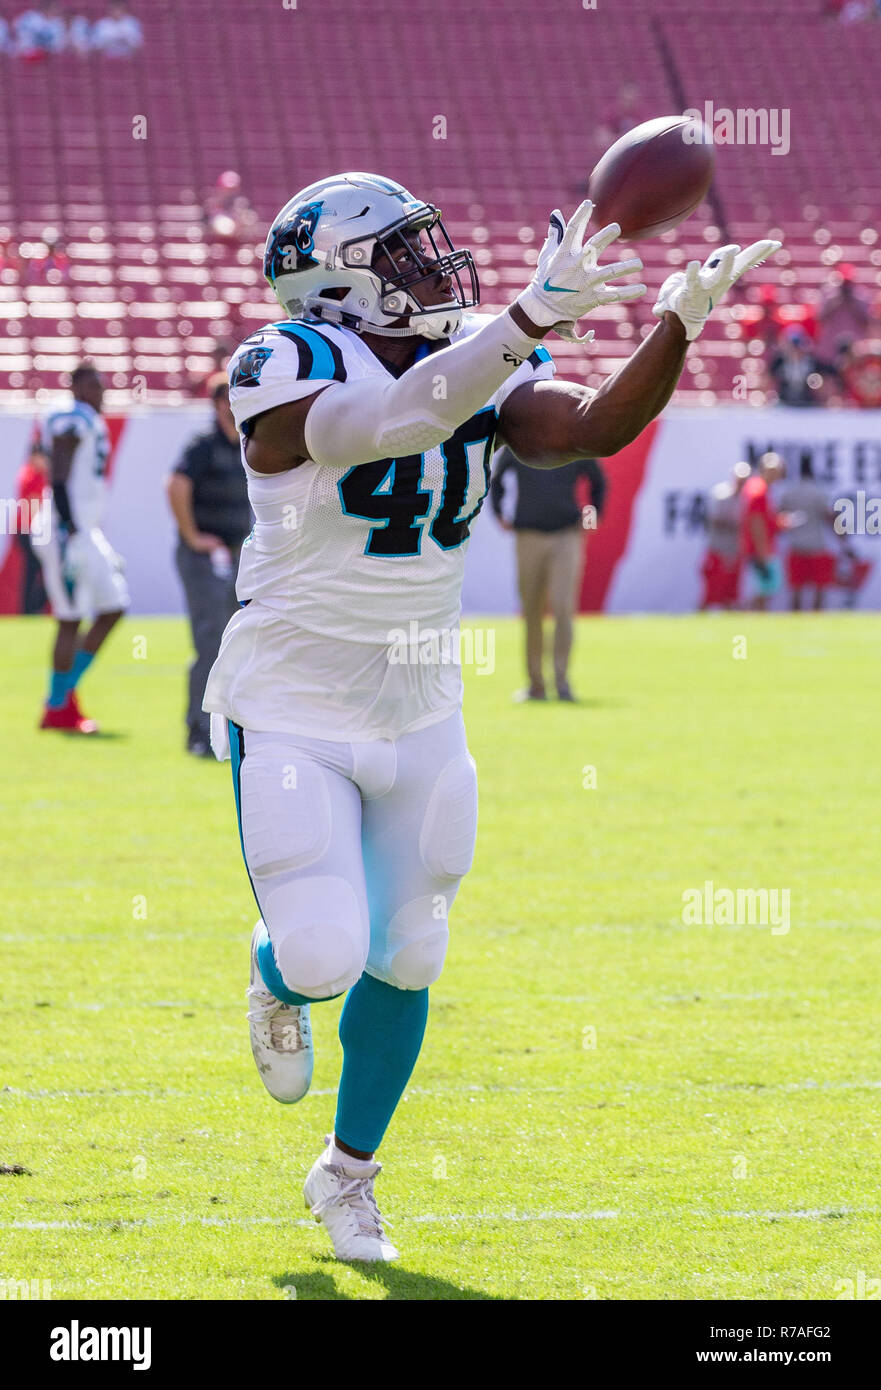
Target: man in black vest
550, 528
208, 495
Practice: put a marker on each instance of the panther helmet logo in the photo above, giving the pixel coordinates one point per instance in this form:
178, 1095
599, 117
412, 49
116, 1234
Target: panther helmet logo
293, 243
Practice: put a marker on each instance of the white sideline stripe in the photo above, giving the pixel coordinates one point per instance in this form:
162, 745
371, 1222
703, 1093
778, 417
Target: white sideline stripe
670, 1088
115, 1092
808, 1213
454, 1219
434, 1219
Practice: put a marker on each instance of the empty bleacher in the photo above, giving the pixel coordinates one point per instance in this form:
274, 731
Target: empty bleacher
285, 95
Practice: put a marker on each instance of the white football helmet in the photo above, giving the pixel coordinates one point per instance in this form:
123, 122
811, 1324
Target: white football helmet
328, 238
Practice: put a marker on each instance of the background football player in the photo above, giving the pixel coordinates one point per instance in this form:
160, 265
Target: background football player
82, 572
368, 419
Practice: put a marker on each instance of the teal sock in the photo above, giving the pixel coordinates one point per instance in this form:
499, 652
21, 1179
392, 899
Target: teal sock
81, 663
381, 1030
58, 688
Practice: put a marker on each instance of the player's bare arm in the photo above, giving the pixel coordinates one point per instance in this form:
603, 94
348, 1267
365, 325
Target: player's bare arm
548, 423
277, 441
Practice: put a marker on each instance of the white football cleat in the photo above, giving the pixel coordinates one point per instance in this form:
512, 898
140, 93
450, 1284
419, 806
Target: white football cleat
281, 1037
342, 1197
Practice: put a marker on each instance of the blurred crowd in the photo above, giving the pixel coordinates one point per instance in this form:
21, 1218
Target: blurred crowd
749, 513
227, 210
43, 262
46, 29
827, 353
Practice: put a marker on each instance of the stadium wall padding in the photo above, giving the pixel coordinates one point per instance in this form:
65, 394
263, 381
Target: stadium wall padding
645, 557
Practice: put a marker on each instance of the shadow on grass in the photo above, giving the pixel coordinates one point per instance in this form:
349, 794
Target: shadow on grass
100, 736
590, 702
399, 1284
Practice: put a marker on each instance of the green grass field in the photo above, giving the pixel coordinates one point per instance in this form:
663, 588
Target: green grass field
716, 1136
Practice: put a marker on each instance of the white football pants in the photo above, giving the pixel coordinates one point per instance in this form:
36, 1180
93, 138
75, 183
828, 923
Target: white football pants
356, 851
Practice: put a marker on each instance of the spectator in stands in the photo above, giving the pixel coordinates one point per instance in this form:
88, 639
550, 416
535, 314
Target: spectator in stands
54, 267
208, 495
767, 327
723, 561
40, 31
796, 372
118, 34
228, 213
625, 113
79, 34
5, 36
859, 366
10, 260
618, 118
810, 564
843, 314
550, 528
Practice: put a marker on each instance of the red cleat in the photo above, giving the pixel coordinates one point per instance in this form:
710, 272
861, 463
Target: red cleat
61, 718
69, 718
84, 725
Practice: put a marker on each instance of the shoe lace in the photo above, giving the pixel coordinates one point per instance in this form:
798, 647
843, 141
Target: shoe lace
356, 1194
286, 1024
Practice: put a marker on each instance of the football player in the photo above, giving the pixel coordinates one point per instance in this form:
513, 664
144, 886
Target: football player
81, 570
369, 415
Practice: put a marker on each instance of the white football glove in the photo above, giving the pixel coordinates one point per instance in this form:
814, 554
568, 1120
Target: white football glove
692, 293
568, 283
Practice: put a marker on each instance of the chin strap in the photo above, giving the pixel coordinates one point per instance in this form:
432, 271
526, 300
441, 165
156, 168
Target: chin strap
331, 313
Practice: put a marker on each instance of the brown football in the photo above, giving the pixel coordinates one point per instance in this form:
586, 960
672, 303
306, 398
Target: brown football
653, 177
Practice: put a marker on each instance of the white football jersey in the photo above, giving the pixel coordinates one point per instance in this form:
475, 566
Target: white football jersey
87, 483
342, 559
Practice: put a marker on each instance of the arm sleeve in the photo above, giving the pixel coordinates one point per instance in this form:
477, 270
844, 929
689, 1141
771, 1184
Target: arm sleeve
357, 422
538, 366
497, 487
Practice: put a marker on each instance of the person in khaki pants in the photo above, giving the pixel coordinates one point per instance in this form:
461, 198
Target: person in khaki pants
550, 531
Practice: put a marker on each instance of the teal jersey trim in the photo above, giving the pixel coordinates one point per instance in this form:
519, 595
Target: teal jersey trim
326, 361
